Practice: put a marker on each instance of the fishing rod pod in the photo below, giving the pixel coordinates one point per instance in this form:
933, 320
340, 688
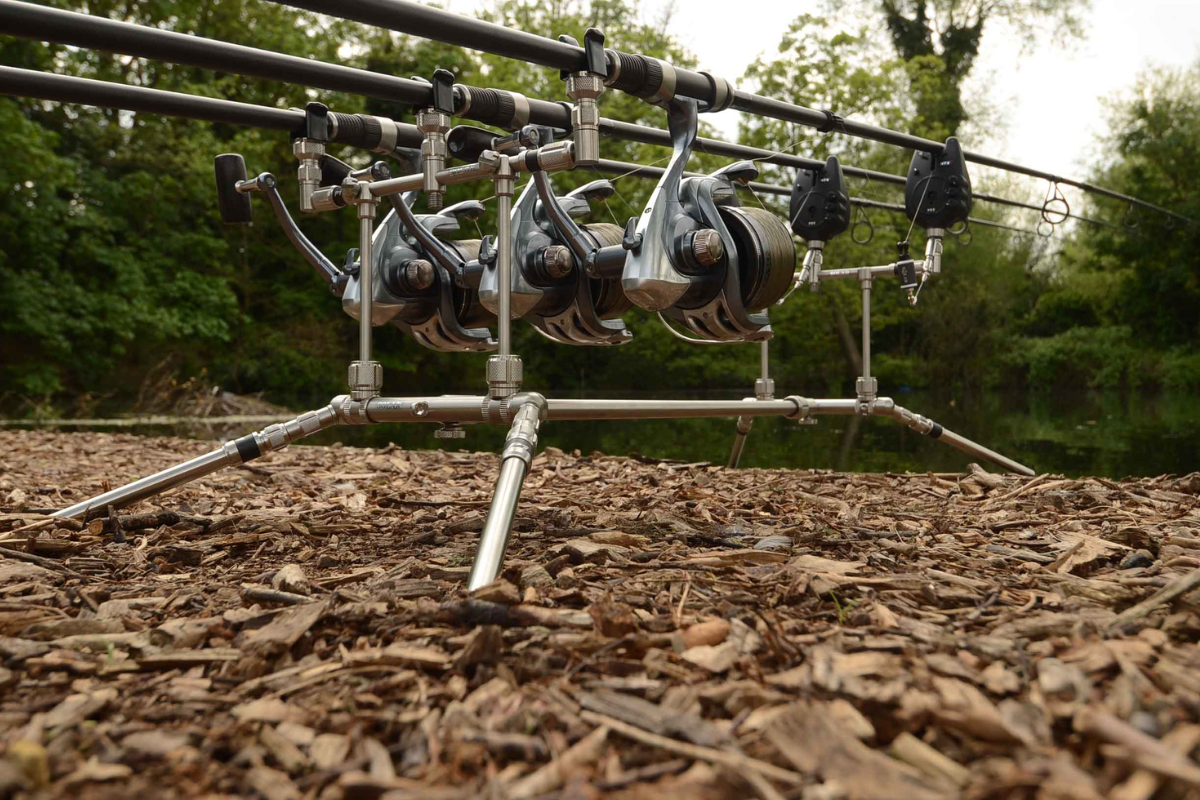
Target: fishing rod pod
550, 285
937, 196
819, 210
697, 256
421, 280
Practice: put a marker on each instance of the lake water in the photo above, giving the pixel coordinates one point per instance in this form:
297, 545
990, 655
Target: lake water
1107, 434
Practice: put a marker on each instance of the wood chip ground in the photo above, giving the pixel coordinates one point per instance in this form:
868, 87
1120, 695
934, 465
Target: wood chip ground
299, 628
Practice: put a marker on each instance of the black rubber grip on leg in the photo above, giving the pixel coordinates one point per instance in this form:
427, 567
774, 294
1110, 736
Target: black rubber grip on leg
357, 130
235, 206
247, 448
935, 432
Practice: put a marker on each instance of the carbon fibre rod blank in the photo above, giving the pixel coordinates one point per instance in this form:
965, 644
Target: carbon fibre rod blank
404, 16
487, 105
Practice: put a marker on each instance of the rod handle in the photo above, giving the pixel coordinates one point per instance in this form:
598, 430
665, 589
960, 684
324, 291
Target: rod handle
230, 168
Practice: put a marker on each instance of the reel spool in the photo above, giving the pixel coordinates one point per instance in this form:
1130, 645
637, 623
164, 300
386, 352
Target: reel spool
699, 257
551, 286
420, 277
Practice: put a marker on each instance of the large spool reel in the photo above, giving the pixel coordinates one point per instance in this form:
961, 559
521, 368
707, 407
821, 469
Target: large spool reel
698, 257
551, 286
418, 283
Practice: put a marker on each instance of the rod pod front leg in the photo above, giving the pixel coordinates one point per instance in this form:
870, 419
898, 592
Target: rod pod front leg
341, 410
519, 449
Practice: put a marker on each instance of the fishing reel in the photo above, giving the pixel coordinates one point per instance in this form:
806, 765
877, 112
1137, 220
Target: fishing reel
552, 284
937, 196
421, 282
819, 211
697, 256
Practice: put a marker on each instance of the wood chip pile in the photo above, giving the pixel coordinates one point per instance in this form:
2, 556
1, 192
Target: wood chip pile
299, 628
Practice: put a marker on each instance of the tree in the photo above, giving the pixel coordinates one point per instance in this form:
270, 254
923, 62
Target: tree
939, 41
1123, 306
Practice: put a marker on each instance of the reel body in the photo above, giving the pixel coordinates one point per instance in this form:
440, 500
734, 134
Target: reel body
418, 275
550, 287
417, 293
700, 258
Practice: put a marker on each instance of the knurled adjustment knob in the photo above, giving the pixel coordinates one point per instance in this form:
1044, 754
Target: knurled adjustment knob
557, 261
707, 247
450, 430
418, 274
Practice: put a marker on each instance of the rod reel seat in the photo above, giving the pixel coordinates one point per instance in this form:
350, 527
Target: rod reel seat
700, 258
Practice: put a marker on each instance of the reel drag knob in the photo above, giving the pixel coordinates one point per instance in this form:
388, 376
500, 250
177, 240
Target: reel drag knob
555, 262
418, 274
702, 248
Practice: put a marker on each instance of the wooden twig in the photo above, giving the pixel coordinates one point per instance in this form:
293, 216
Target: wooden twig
1163, 596
550, 777
735, 761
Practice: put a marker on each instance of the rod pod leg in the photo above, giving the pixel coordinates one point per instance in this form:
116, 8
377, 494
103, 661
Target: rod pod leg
932, 429
744, 424
238, 451
519, 449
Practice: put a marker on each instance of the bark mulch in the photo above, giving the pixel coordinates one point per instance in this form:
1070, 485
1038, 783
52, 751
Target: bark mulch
299, 628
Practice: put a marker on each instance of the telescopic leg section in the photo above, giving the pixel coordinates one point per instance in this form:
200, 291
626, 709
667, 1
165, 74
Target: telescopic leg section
519, 450
764, 389
238, 451
885, 407
744, 424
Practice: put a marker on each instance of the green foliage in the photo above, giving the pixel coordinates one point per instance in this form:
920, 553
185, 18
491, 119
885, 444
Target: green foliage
114, 265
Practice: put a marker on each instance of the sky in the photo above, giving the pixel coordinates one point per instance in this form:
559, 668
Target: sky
1052, 95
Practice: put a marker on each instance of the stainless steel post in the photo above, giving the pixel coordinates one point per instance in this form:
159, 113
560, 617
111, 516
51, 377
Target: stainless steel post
504, 265
519, 450
365, 376
366, 270
504, 370
867, 387
238, 451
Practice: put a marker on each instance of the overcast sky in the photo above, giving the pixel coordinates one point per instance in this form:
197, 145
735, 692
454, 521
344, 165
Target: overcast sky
1053, 94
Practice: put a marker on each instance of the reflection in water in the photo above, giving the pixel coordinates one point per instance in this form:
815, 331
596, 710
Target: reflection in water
1112, 435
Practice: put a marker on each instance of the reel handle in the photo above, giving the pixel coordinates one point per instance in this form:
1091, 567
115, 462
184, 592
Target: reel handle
230, 170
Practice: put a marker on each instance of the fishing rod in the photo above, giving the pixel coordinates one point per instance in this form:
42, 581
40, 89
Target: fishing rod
18, 82
489, 106
649, 78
